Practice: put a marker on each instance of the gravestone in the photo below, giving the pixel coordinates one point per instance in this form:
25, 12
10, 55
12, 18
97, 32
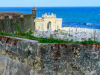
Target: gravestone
51, 35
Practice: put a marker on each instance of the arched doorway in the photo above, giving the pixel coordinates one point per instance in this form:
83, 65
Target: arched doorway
49, 25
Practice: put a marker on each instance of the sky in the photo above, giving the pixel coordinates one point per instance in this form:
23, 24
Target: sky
49, 3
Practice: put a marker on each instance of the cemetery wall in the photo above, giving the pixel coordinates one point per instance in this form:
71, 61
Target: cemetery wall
18, 57
17, 23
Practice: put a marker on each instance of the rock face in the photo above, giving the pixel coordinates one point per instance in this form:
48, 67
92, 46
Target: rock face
19, 57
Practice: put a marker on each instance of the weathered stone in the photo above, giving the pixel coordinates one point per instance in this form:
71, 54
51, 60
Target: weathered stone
46, 58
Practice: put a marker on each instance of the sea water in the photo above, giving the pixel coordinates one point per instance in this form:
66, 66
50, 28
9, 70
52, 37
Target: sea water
83, 17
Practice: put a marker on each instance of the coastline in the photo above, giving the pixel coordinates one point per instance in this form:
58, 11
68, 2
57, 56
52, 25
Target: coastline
79, 29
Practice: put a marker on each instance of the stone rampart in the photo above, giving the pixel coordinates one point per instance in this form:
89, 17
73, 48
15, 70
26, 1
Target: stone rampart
19, 57
16, 23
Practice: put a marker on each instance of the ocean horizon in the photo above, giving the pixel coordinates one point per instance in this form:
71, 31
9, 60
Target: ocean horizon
83, 17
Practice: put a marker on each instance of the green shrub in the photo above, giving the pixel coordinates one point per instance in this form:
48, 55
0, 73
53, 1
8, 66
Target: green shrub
89, 42
18, 29
31, 32
63, 33
71, 35
65, 26
7, 34
21, 19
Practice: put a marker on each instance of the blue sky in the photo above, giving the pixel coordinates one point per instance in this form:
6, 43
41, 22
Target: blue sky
48, 3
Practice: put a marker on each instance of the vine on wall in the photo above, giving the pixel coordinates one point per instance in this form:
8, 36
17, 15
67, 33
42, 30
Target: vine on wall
21, 19
18, 29
11, 22
2, 23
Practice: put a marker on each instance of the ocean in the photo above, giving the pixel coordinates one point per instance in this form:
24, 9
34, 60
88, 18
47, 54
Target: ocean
83, 17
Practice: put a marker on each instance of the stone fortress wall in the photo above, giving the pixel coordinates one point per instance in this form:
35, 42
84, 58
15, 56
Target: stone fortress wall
18, 57
13, 22
10, 24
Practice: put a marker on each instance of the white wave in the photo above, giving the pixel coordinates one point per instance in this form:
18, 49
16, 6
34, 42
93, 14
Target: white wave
88, 23
98, 14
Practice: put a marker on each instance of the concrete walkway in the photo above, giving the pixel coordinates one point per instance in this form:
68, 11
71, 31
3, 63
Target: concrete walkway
23, 39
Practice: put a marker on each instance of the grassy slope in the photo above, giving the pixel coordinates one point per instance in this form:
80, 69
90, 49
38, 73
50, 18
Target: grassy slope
46, 40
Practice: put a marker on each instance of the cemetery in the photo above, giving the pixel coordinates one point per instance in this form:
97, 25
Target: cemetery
70, 33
